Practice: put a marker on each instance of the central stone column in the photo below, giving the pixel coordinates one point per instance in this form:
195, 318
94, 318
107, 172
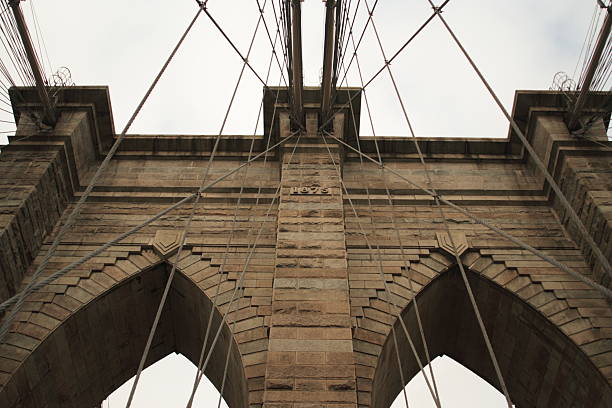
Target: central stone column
310, 355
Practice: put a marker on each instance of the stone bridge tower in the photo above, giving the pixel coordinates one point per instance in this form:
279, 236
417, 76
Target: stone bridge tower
311, 323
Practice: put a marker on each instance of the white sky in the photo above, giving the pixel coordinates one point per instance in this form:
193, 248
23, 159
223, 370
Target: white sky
168, 384
518, 44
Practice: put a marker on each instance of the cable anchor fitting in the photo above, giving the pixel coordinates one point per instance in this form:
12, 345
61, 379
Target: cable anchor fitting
437, 9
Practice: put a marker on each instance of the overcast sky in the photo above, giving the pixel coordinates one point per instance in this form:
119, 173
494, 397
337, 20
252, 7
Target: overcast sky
518, 44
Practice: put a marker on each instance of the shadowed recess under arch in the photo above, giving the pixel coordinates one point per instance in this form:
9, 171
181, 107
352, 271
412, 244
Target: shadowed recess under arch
541, 366
97, 349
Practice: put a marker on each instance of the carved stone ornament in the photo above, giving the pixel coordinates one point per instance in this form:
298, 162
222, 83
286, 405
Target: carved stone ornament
167, 242
459, 239
310, 190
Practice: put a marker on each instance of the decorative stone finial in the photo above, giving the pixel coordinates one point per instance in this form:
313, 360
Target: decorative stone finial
458, 238
167, 242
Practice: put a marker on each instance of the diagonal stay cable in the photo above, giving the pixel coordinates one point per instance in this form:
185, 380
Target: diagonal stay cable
389, 297
607, 292
468, 287
564, 202
233, 328
226, 366
273, 43
367, 188
342, 23
398, 237
403, 47
215, 298
603, 290
365, 237
399, 50
281, 17
203, 7
44, 282
77, 209
202, 367
350, 31
397, 53
418, 316
470, 293
222, 267
363, 31
188, 223
227, 358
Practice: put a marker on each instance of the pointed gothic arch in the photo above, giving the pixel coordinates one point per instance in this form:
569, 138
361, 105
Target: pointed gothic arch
97, 347
541, 365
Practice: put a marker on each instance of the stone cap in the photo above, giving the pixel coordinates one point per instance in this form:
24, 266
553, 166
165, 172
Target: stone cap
529, 102
312, 100
95, 99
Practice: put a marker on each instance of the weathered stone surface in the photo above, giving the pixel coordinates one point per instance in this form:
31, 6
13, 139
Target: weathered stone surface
312, 323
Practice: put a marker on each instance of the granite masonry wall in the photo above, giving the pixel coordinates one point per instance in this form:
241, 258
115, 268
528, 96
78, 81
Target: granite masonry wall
311, 324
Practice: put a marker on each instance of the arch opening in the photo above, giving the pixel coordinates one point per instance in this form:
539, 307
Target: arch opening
457, 387
541, 366
167, 383
98, 348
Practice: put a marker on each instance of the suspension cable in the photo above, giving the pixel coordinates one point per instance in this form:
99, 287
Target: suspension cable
389, 298
36, 286
397, 53
370, 14
204, 8
564, 202
44, 282
430, 184
350, 31
273, 43
225, 257
189, 220
398, 236
233, 328
101, 168
342, 22
202, 367
280, 17
603, 290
